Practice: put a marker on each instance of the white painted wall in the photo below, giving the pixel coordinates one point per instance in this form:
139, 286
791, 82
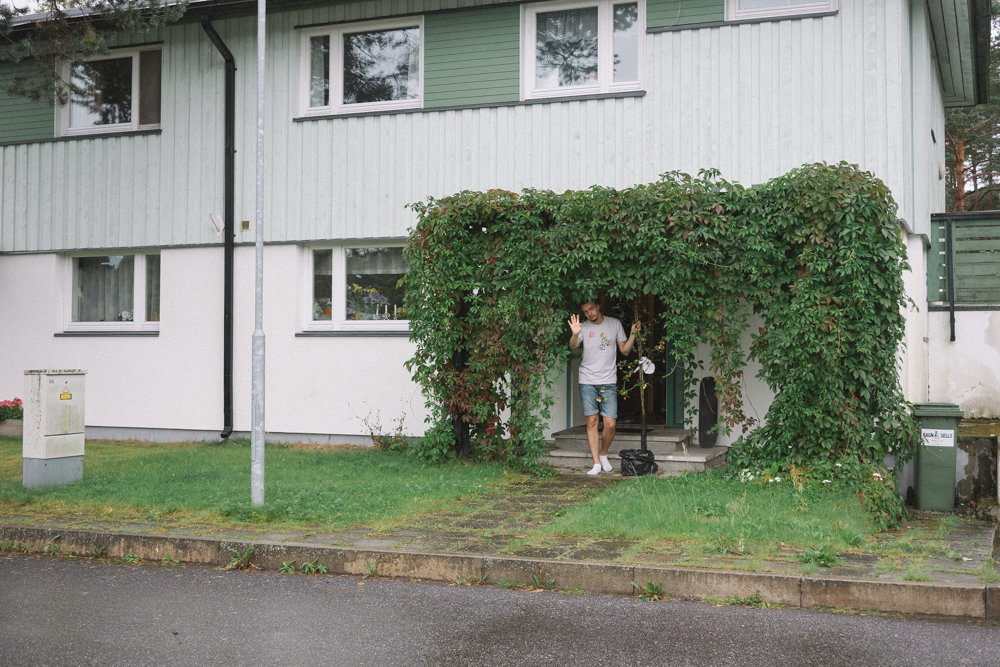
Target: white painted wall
174, 380
966, 371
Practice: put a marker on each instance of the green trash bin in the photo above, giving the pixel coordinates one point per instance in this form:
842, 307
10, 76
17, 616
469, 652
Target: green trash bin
935, 479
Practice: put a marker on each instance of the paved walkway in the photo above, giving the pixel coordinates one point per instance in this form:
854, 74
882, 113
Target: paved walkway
487, 541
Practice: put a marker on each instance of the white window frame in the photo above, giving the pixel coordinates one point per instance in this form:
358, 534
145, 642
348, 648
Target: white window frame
336, 35
734, 13
134, 125
338, 308
139, 321
605, 49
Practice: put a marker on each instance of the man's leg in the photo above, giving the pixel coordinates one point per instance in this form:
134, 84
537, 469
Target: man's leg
609, 408
593, 437
588, 395
608, 435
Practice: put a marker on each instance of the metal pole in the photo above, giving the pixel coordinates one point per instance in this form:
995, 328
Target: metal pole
257, 439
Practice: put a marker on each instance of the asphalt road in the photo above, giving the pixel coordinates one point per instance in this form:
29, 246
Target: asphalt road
70, 612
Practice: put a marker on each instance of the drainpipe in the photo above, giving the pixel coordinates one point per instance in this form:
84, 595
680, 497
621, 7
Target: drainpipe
230, 226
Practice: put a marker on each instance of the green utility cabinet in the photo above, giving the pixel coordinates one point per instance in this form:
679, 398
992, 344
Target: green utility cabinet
935, 479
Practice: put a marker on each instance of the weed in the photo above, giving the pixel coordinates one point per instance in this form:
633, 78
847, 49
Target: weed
573, 590
988, 573
650, 592
538, 582
507, 584
723, 544
754, 600
12, 546
52, 548
313, 567
824, 556
169, 560
131, 559
371, 569
287, 567
475, 581
97, 552
241, 561
885, 565
916, 572
395, 440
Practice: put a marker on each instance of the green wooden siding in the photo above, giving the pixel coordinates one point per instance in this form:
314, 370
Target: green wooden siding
20, 118
665, 13
472, 57
975, 259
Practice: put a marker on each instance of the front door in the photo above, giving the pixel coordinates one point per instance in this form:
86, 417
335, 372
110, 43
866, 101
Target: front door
665, 390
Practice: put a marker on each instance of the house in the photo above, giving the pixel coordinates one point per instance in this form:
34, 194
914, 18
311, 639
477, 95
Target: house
113, 213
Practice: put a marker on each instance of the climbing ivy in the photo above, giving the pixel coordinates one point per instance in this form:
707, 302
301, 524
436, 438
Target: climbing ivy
814, 256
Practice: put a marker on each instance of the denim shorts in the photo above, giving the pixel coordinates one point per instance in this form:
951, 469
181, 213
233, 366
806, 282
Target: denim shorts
599, 398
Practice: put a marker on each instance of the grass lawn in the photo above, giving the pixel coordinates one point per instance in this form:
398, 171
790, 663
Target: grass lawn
196, 484
204, 487
721, 515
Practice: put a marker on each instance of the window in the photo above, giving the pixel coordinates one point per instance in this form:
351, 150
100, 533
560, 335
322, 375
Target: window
357, 288
363, 67
115, 292
114, 94
582, 48
754, 9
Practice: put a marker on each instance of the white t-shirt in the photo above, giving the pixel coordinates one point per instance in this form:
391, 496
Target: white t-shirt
600, 350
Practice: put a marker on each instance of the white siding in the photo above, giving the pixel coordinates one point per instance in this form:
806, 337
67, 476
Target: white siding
753, 100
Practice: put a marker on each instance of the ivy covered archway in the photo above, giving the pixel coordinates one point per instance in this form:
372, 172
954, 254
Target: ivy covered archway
816, 254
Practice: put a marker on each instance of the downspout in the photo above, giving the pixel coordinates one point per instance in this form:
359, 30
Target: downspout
230, 227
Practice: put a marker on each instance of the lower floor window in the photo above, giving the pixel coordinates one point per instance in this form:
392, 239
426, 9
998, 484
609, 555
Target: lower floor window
359, 287
116, 289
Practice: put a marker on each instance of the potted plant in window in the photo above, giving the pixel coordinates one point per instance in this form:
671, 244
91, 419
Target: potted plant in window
11, 418
366, 303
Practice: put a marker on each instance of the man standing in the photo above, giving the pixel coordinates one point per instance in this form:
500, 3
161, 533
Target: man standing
602, 337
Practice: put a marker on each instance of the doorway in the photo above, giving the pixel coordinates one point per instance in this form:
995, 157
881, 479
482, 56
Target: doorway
665, 390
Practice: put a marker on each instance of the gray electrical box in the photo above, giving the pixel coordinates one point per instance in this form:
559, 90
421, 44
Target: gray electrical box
53, 440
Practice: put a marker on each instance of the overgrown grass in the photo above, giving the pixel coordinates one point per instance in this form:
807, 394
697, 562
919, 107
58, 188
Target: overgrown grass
721, 514
188, 483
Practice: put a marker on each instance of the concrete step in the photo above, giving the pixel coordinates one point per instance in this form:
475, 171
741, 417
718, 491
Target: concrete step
699, 459
659, 439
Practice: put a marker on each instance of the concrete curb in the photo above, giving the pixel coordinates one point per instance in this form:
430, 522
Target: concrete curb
981, 602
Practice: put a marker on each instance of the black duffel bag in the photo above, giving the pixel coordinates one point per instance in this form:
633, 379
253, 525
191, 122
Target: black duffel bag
636, 462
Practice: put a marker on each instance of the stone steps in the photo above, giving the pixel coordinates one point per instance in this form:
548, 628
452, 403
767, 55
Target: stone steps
672, 450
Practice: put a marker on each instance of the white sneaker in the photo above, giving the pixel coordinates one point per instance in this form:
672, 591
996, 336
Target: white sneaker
606, 464
596, 470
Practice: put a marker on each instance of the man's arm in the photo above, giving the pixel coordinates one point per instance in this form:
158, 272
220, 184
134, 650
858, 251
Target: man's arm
626, 345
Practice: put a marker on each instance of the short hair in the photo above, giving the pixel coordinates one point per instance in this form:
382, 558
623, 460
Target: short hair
593, 301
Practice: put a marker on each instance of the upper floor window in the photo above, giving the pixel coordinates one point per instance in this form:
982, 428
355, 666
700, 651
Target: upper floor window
755, 9
363, 67
115, 292
582, 48
113, 94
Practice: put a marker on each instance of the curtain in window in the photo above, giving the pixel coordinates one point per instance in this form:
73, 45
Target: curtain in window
102, 288
152, 288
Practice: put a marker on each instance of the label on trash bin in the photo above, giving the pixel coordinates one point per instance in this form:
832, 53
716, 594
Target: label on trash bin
934, 437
